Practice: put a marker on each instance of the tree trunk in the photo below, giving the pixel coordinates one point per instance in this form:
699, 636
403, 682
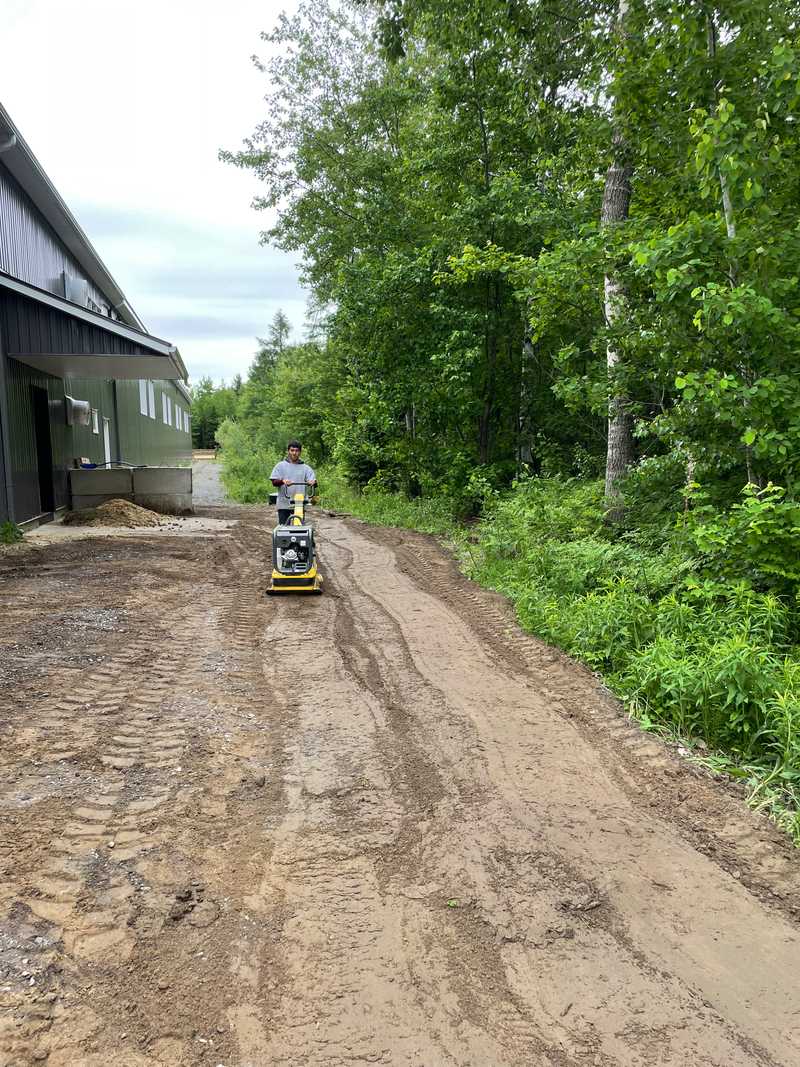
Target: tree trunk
616, 203
490, 365
619, 454
727, 206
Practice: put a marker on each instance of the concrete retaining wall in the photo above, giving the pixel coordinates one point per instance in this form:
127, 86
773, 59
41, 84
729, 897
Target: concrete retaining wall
90, 488
164, 489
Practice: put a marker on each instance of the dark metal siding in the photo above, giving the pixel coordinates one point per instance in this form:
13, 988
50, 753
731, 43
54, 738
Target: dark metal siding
24, 469
29, 248
29, 327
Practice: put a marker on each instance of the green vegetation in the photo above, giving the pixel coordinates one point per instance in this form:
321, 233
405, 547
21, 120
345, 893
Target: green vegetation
552, 250
10, 533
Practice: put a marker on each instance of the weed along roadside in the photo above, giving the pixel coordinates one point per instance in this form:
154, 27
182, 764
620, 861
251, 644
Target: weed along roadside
444, 845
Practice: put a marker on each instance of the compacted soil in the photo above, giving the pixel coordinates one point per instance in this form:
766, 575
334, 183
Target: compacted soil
380, 826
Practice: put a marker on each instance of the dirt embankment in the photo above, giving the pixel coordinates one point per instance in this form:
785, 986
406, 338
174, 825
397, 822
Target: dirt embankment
378, 826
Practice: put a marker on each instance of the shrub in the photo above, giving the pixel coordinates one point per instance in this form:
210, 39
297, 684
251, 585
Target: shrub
10, 533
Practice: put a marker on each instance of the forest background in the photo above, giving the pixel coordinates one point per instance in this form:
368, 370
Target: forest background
553, 249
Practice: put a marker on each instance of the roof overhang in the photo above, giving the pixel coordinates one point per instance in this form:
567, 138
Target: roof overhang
100, 365
23, 165
108, 349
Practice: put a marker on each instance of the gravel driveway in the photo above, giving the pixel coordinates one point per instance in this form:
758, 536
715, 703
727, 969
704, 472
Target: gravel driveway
206, 485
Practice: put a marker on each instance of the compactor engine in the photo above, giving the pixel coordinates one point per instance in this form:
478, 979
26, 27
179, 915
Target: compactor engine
294, 557
292, 549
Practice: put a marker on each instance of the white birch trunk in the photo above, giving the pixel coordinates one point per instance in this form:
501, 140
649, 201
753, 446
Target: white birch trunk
616, 203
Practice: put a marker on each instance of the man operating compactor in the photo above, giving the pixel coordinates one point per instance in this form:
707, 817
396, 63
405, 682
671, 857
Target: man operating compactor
289, 475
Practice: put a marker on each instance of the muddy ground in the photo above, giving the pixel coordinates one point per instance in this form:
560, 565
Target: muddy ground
377, 826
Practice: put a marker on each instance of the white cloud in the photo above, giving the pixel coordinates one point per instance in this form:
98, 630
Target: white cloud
126, 106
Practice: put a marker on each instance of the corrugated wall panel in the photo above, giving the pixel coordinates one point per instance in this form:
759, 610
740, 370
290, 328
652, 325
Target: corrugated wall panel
31, 328
84, 443
30, 250
24, 467
146, 439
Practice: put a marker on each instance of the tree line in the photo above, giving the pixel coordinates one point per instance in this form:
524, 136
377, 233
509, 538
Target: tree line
547, 235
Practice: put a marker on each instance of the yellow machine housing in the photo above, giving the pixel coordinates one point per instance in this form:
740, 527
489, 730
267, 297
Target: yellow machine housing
294, 558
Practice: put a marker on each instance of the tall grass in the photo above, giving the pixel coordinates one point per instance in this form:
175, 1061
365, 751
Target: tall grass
434, 515
246, 467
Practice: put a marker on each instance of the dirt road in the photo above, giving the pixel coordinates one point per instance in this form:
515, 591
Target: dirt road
378, 826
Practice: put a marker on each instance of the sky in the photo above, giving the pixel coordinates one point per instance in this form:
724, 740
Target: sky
126, 105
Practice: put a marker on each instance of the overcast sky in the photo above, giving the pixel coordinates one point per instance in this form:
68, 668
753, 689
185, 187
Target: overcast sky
125, 105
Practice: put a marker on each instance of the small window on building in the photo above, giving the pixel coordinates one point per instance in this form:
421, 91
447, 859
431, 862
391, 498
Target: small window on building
142, 396
166, 404
186, 421
95, 421
151, 399
178, 414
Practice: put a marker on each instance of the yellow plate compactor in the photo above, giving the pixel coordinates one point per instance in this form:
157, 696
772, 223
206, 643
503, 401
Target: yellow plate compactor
294, 555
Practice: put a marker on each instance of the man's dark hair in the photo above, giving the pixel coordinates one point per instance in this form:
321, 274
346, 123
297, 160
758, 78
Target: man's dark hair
294, 444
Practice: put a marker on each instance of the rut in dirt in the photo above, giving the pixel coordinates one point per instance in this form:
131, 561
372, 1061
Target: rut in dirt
377, 826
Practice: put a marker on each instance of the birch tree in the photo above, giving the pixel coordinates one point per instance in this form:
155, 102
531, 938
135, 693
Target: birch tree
616, 205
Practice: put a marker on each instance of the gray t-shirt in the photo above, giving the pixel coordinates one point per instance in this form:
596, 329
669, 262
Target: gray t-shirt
295, 472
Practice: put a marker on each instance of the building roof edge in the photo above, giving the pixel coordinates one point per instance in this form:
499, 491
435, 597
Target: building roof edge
23, 165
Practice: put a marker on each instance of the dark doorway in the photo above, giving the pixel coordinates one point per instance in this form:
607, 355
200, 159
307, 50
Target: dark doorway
44, 448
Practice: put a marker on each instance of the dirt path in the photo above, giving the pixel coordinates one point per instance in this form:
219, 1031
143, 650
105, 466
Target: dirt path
378, 826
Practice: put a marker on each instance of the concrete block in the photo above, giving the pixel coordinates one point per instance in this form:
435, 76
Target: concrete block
170, 480
115, 481
91, 501
165, 503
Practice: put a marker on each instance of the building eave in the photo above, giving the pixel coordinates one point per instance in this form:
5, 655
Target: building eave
23, 165
161, 359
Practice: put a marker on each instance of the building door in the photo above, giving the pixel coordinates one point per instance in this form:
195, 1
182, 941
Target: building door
107, 440
44, 448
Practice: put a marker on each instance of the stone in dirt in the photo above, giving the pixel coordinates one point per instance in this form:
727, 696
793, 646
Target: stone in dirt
114, 513
204, 914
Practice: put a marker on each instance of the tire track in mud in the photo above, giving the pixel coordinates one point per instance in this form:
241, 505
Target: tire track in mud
341, 835
543, 914
89, 890
90, 876
361, 940
737, 839
324, 983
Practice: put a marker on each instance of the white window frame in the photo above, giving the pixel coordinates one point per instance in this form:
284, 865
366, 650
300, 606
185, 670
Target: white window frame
165, 411
107, 441
151, 399
178, 416
186, 422
95, 421
143, 397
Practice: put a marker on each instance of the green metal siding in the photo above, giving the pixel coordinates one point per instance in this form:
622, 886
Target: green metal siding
149, 440
85, 443
135, 438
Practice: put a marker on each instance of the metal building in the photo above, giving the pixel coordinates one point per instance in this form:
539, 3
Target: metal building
80, 378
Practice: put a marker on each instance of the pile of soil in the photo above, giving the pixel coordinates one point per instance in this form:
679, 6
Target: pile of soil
114, 513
